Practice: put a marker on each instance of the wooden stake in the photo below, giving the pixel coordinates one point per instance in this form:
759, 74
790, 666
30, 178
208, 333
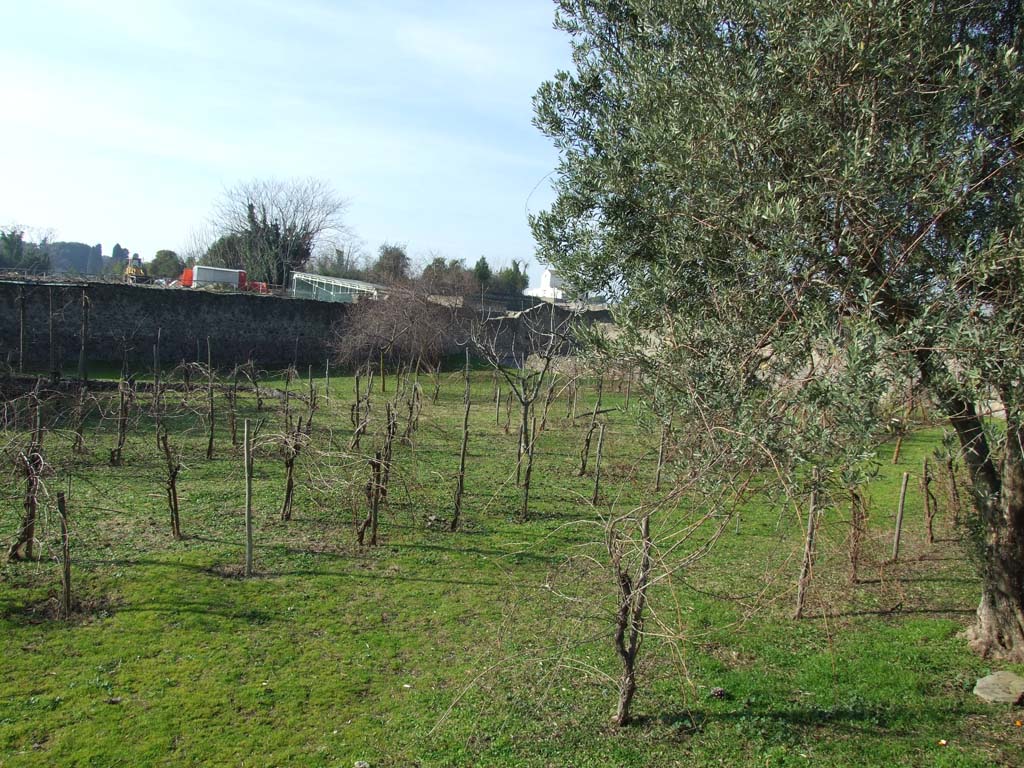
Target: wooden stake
899, 518
54, 368
661, 456
233, 407
156, 385
808, 562
597, 465
21, 330
83, 335
247, 458
460, 485
954, 492
929, 502
377, 465
524, 512
896, 450
858, 516
585, 452
209, 396
547, 401
65, 539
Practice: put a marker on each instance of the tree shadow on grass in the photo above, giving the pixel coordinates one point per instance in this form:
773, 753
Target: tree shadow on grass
785, 725
491, 553
203, 608
917, 580
228, 574
897, 610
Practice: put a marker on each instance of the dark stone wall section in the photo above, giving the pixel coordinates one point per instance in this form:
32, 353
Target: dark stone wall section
273, 331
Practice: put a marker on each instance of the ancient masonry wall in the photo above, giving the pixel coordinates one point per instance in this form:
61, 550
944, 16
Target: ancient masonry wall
272, 331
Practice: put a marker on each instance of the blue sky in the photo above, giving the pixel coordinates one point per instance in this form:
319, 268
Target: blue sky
124, 121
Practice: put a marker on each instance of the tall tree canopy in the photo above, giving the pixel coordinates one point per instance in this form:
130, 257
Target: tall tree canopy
392, 264
798, 205
447, 277
274, 227
18, 254
482, 271
165, 264
511, 280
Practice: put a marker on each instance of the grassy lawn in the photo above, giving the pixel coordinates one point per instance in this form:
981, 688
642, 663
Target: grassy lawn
489, 646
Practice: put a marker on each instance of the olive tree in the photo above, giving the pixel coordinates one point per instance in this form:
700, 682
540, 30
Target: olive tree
800, 206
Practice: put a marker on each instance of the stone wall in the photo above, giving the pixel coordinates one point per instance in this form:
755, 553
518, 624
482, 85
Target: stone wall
272, 331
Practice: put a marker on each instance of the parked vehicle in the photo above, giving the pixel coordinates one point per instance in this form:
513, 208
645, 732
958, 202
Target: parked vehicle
134, 272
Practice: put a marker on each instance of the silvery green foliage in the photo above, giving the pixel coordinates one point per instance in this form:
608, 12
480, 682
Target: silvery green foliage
800, 207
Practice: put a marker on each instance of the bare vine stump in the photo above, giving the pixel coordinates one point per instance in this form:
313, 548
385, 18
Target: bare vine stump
373, 497
32, 464
171, 484
629, 618
123, 404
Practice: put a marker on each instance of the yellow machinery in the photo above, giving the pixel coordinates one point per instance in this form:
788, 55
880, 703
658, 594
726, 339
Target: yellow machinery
134, 272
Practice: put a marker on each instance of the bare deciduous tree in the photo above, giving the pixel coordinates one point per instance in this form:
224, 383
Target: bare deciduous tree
277, 226
521, 347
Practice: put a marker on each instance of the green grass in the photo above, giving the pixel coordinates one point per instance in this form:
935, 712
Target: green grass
489, 646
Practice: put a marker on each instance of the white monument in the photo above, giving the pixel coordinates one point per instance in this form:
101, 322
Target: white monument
550, 287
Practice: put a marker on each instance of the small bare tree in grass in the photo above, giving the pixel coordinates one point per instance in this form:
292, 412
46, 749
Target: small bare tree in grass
374, 496
521, 347
633, 579
395, 331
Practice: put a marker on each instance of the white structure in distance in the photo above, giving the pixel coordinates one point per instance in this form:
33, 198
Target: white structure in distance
550, 287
